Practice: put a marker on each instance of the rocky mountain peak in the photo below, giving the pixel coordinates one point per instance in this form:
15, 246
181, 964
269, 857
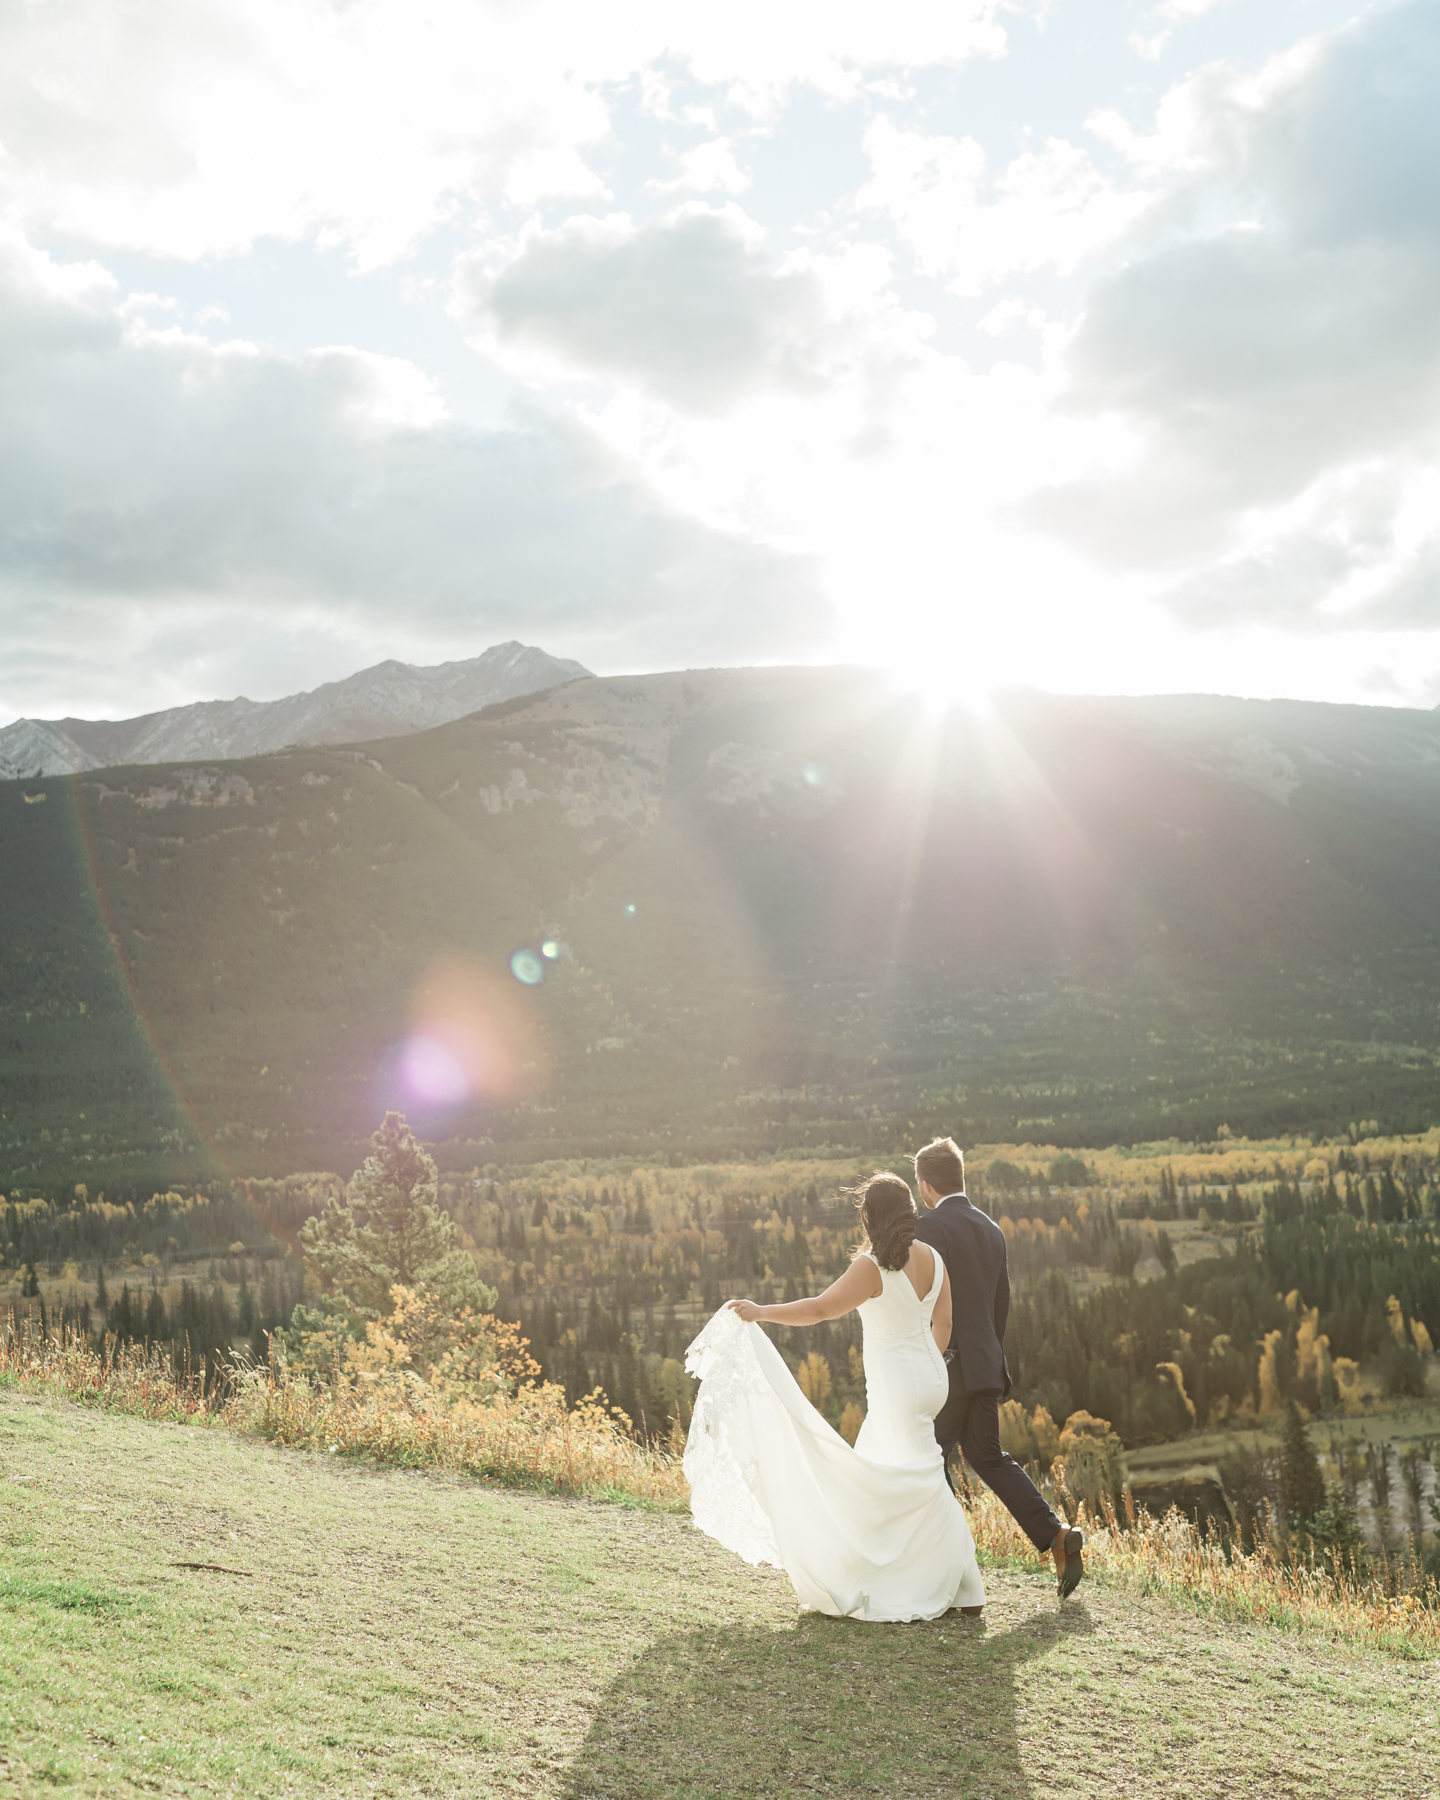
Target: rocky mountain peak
390, 699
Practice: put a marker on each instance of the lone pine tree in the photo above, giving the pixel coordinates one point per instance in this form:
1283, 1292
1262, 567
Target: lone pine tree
390, 1229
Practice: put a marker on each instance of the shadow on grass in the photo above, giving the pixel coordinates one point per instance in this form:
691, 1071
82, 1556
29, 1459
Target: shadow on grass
827, 1707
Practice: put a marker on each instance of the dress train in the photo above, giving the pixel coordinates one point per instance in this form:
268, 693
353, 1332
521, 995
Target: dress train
866, 1533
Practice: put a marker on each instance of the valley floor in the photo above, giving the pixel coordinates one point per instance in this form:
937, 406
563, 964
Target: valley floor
184, 1612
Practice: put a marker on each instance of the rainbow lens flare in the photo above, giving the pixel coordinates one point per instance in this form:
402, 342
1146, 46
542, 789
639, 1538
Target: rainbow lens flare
528, 967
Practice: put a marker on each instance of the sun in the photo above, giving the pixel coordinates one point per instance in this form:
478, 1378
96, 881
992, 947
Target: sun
943, 687
946, 657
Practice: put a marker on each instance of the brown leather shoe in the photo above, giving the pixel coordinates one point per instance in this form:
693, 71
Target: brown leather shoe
1074, 1571
971, 1612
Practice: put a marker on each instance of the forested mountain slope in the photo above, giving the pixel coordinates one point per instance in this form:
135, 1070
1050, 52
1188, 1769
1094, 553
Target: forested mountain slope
783, 909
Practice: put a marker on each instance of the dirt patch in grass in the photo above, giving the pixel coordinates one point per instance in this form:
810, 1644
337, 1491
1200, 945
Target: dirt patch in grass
398, 1633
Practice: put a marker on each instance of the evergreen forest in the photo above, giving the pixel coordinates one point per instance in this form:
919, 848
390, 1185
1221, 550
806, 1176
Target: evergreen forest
1159, 1307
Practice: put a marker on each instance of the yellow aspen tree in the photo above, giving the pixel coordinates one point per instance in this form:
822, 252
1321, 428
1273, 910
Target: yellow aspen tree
1310, 1345
815, 1379
1046, 1434
1326, 1388
1270, 1397
1016, 1437
1176, 1374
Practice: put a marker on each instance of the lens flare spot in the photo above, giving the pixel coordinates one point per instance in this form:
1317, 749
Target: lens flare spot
629, 910
550, 950
471, 1040
432, 1072
528, 966
813, 774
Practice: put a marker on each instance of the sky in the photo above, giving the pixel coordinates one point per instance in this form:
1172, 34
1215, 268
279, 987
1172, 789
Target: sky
1089, 345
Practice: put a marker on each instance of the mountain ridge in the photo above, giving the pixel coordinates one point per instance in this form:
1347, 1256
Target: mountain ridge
787, 914
386, 700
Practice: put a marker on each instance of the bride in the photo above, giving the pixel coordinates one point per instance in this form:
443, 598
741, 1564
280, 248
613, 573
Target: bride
869, 1533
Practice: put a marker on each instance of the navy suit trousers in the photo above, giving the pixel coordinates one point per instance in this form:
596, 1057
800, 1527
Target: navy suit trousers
971, 1422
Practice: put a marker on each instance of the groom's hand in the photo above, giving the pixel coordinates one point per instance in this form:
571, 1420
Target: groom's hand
747, 1310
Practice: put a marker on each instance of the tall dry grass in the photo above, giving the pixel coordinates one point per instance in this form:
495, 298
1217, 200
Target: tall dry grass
529, 1438
1388, 1601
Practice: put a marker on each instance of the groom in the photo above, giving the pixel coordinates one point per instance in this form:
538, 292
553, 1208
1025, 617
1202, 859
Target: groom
972, 1247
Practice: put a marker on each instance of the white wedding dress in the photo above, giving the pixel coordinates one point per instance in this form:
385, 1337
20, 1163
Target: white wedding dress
869, 1533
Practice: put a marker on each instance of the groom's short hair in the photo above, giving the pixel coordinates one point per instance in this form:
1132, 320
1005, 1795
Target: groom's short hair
941, 1166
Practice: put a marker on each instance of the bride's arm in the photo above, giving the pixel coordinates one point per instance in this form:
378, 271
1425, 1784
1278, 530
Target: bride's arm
860, 1282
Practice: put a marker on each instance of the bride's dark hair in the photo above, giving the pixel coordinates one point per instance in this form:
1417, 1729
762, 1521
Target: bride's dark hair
887, 1213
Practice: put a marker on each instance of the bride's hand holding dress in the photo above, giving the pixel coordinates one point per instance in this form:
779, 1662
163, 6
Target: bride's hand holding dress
860, 1282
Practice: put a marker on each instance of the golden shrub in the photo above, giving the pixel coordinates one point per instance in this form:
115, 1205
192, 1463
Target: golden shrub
815, 1379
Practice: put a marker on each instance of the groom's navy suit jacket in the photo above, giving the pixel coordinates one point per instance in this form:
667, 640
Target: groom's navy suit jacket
972, 1247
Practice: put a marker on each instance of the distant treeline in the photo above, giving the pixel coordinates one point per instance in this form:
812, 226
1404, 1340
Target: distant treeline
610, 1280
610, 1274
203, 1326
249, 1289
46, 1233
684, 1124
1244, 1333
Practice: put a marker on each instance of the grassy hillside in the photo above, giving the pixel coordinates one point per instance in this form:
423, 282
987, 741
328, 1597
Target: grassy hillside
352, 1630
789, 914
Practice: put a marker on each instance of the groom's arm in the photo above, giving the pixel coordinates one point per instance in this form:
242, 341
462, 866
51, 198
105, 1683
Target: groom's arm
1002, 1293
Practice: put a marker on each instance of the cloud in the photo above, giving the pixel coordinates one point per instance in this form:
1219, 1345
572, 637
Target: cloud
1411, 600
1250, 365
193, 127
687, 308
1047, 208
1175, 11
1251, 361
1286, 583
707, 169
154, 471
1349, 154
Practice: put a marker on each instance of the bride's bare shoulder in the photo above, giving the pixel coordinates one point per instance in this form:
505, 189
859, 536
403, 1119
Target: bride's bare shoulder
920, 1267
864, 1271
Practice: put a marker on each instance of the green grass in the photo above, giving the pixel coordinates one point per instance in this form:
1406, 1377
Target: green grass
399, 1633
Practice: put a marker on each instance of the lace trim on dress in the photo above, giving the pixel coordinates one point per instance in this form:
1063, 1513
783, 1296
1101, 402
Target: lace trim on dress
722, 1472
